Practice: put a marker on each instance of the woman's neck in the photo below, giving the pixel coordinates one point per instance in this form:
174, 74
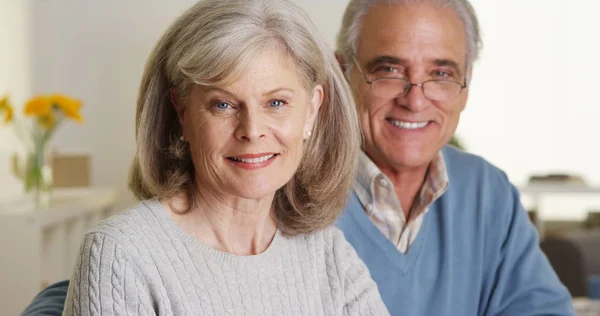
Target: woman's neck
230, 224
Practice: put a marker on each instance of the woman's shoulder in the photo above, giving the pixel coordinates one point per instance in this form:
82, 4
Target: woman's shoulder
331, 235
130, 225
331, 240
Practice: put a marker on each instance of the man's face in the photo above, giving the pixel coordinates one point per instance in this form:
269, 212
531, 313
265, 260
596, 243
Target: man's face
419, 43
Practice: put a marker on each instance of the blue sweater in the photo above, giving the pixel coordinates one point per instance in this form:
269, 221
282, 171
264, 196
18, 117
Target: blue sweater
476, 253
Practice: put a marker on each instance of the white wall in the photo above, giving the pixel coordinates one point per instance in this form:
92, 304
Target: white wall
96, 50
532, 107
15, 78
534, 99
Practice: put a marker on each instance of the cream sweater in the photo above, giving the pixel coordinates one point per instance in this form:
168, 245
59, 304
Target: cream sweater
140, 262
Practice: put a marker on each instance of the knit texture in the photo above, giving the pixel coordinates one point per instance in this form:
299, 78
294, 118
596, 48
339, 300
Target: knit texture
140, 262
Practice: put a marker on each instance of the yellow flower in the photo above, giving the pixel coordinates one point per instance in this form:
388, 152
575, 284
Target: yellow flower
39, 106
7, 109
70, 107
8, 115
47, 121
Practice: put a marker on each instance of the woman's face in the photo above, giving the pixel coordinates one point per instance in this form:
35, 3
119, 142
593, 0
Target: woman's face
246, 139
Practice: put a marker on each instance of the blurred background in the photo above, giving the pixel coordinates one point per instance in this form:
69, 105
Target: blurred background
532, 109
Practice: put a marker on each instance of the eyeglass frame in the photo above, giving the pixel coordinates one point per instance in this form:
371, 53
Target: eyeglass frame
370, 83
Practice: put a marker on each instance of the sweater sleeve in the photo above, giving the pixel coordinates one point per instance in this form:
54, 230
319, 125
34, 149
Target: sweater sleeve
361, 296
523, 280
106, 282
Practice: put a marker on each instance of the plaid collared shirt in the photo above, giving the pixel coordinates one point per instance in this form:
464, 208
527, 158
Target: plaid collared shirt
376, 193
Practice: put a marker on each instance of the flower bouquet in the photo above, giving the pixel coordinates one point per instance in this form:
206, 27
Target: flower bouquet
42, 116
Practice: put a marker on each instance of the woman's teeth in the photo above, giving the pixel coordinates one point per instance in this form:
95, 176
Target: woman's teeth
253, 160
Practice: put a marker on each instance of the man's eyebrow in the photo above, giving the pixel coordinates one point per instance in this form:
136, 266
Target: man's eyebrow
449, 63
385, 60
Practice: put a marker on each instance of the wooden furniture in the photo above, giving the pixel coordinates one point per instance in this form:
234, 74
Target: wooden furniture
586, 307
71, 170
40, 246
593, 219
538, 191
568, 263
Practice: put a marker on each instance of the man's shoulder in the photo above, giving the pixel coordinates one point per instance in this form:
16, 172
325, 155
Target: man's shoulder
462, 166
457, 158
476, 184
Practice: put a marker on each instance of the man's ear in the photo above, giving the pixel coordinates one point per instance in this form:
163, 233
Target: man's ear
340, 60
178, 104
468, 76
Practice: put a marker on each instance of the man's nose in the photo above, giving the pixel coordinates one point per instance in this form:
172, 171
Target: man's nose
414, 100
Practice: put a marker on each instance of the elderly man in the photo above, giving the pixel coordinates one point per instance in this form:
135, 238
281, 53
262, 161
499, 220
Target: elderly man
442, 232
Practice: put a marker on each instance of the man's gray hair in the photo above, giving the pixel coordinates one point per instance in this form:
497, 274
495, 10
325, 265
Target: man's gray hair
347, 38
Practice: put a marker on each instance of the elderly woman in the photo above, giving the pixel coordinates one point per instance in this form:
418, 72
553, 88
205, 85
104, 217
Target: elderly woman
246, 145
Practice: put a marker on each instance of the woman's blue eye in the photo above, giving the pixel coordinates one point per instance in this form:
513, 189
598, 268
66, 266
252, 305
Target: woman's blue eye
276, 103
222, 105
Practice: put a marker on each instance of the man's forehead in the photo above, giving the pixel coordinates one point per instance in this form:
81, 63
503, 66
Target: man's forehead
413, 34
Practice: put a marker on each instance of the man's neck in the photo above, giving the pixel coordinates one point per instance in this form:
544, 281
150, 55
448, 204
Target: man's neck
407, 184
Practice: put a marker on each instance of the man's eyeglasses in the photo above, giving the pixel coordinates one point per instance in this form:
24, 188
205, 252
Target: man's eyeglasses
390, 87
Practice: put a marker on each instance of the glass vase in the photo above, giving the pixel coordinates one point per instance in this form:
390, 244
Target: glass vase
38, 175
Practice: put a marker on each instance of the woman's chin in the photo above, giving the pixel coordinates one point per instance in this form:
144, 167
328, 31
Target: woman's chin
255, 191
256, 185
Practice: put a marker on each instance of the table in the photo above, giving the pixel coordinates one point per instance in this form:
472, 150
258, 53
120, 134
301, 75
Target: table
586, 307
40, 246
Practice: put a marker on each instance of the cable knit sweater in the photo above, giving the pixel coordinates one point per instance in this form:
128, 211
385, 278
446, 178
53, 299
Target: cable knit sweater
140, 262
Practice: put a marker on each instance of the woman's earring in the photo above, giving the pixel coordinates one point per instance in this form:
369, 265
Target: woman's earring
308, 134
182, 138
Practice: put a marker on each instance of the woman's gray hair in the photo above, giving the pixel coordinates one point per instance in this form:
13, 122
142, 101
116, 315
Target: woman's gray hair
347, 38
212, 44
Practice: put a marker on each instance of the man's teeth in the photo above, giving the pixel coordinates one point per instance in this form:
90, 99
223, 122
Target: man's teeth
408, 125
253, 160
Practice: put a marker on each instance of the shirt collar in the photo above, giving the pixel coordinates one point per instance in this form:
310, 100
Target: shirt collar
435, 184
